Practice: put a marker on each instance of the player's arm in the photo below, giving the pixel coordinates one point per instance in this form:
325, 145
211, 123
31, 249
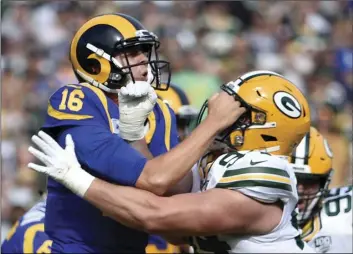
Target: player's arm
223, 210
164, 171
170, 134
183, 186
217, 211
108, 156
113, 158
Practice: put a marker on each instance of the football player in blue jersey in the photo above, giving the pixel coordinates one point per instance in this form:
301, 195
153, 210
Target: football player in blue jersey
27, 234
116, 60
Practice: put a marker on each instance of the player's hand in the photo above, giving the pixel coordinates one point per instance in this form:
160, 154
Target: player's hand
223, 110
136, 101
60, 164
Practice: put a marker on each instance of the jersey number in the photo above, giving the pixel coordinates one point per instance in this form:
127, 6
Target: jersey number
230, 159
333, 206
74, 103
28, 243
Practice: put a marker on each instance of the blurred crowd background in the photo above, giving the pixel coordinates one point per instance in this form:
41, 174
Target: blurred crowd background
207, 43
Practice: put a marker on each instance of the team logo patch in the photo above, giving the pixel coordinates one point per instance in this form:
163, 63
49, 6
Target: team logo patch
322, 244
287, 104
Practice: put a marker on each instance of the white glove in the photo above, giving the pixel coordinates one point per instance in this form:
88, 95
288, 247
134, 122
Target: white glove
136, 101
62, 165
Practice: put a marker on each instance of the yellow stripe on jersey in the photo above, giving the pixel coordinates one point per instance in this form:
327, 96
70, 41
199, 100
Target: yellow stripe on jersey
167, 122
12, 230
256, 176
152, 127
65, 116
103, 100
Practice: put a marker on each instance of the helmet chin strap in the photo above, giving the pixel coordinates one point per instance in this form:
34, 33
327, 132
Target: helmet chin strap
96, 83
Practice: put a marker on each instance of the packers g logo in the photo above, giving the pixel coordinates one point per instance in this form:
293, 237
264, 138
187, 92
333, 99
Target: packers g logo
287, 104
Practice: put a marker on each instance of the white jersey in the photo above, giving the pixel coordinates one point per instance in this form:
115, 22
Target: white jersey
331, 231
263, 177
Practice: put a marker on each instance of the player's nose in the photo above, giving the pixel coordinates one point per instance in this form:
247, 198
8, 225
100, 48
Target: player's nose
143, 69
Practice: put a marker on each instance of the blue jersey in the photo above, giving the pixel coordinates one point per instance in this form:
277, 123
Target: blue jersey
27, 235
91, 118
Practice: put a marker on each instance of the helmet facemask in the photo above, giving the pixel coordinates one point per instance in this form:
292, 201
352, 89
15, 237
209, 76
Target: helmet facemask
250, 118
147, 43
120, 74
310, 204
185, 118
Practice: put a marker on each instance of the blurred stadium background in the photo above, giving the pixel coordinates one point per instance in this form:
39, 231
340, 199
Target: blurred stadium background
208, 43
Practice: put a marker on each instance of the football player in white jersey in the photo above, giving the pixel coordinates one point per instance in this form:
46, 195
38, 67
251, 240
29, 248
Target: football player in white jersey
325, 216
248, 198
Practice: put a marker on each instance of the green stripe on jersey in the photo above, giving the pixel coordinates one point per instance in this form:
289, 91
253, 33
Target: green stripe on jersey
255, 183
263, 170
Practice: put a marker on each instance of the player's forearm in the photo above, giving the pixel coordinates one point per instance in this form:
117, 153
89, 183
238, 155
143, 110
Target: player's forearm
212, 212
127, 205
145, 211
180, 215
163, 172
183, 186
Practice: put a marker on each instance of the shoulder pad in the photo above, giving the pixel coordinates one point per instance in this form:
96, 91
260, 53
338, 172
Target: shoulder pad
80, 104
256, 172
